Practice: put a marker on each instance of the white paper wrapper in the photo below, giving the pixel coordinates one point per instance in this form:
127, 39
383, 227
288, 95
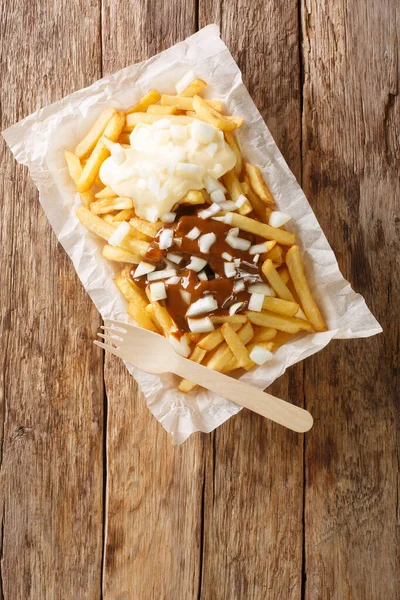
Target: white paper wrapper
39, 142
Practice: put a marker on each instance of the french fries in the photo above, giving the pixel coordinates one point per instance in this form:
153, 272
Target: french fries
296, 271
103, 212
258, 184
150, 98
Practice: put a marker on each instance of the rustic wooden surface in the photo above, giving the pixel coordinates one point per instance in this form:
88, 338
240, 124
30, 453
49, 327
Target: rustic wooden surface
95, 501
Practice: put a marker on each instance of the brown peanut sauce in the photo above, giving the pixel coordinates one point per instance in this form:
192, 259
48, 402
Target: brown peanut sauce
217, 285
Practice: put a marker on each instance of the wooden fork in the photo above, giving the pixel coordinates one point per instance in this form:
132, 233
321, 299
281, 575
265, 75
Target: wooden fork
151, 352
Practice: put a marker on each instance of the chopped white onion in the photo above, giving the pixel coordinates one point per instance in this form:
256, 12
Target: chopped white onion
202, 276
261, 288
256, 258
153, 183
173, 280
235, 307
157, 291
257, 249
202, 132
192, 145
238, 286
220, 219
185, 81
143, 268
204, 305
228, 218
178, 241
241, 200
206, 241
217, 196
201, 325
196, 264
226, 256
256, 302
211, 149
168, 217
186, 296
193, 233
179, 132
211, 184
166, 239
209, 212
119, 234
234, 231
218, 170
260, 355
162, 137
162, 274
277, 218
118, 154
236, 261
175, 258
161, 124
189, 168
228, 205
152, 215
238, 243
229, 269
180, 346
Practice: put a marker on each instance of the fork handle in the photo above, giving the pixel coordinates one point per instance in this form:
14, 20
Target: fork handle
282, 412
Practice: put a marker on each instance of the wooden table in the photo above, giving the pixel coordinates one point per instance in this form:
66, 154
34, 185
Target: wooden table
96, 502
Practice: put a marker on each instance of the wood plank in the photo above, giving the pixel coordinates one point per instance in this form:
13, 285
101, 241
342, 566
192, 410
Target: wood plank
351, 175
154, 490
254, 472
51, 375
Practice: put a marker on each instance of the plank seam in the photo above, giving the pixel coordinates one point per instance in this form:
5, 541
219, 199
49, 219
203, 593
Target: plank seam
202, 531
1, 553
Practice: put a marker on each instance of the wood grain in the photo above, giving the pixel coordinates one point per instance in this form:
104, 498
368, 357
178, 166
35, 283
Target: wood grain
351, 157
154, 490
51, 375
254, 471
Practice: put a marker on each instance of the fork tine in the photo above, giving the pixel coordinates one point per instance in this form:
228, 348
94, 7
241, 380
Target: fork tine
118, 324
106, 347
112, 331
110, 338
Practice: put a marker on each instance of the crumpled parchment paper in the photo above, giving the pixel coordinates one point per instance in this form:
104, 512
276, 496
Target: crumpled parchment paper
39, 142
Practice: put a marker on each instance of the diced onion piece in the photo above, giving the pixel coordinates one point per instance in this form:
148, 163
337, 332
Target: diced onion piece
211, 149
228, 206
162, 137
209, 212
193, 233
278, 218
241, 200
236, 261
235, 307
144, 268
256, 258
220, 219
173, 280
202, 276
162, 274
189, 168
238, 286
204, 305
185, 81
218, 170
229, 269
202, 132
179, 132
217, 196
153, 183
180, 346
161, 124
257, 249
256, 302
186, 296
175, 258
168, 217
152, 215
260, 355
118, 154
238, 243
178, 241
226, 256
234, 231
119, 234
157, 291
261, 288
201, 325
206, 241
228, 218
192, 145
211, 184
166, 239
196, 264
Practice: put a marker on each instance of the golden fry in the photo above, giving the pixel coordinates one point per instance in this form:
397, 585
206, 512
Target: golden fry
235, 344
217, 319
194, 88
107, 205
282, 307
120, 255
150, 98
270, 319
263, 230
130, 291
284, 274
149, 229
256, 202
142, 117
124, 139
90, 140
223, 354
141, 317
196, 356
233, 144
276, 282
276, 255
264, 334
106, 192
206, 113
157, 109
74, 166
193, 197
235, 191
184, 103
213, 339
296, 270
258, 184
124, 215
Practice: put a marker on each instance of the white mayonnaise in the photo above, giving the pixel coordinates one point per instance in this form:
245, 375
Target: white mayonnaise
166, 161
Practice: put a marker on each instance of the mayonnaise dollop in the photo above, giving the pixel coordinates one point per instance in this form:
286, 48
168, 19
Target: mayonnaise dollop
164, 162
